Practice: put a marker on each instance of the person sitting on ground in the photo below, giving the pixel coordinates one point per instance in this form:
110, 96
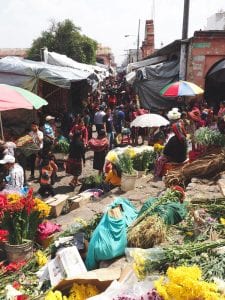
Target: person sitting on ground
47, 170
15, 178
113, 178
75, 158
175, 149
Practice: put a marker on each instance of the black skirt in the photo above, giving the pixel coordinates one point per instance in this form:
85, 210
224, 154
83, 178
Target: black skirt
99, 160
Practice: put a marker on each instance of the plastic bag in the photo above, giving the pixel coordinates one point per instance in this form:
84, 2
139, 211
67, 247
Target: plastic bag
109, 238
130, 289
172, 212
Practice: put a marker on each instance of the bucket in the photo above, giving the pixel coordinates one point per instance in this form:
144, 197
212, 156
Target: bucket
128, 182
17, 253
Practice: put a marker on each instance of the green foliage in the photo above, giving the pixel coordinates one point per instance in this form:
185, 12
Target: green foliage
142, 161
65, 38
62, 146
209, 137
125, 164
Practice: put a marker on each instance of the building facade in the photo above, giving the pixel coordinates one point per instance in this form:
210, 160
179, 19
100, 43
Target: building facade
148, 45
105, 56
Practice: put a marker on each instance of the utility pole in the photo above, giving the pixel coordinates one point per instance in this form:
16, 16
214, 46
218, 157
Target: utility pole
183, 50
138, 39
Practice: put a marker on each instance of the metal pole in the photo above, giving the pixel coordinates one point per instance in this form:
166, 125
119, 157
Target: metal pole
2, 133
138, 38
183, 50
185, 19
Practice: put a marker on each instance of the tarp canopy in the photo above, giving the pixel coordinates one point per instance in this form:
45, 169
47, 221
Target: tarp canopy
144, 63
26, 73
150, 80
57, 59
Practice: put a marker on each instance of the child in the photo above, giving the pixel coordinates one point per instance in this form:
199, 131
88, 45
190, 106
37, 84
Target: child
47, 169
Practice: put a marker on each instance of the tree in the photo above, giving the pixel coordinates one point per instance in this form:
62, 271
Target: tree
65, 38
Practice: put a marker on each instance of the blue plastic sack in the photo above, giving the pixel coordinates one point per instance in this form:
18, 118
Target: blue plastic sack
109, 239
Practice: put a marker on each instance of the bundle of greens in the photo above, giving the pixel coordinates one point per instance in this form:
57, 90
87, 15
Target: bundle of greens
90, 182
63, 146
125, 164
149, 260
142, 161
212, 265
209, 137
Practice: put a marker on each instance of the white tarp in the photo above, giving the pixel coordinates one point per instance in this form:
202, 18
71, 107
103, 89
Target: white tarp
57, 59
26, 73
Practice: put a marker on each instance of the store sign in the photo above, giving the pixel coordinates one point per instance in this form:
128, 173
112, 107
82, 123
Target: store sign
201, 45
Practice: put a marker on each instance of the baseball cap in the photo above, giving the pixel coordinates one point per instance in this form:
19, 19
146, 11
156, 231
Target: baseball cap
7, 159
48, 118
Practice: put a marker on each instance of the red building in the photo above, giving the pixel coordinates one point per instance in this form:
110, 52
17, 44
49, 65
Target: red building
148, 45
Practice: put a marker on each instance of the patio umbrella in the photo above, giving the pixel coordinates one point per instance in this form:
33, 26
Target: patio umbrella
12, 97
181, 88
149, 120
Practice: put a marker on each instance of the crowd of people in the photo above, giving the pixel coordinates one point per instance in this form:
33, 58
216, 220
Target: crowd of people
103, 124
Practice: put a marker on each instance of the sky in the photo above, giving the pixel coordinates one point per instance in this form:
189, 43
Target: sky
21, 21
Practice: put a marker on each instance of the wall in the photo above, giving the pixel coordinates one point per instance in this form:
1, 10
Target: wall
205, 49
216, 22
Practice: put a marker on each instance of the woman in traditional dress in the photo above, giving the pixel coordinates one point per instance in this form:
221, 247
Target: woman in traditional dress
76, 156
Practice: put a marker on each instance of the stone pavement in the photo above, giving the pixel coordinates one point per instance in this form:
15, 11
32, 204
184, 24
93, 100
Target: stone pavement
144, 188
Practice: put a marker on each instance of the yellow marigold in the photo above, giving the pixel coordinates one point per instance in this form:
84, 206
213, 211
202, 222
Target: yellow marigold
222, 221
112, 157
13, 198
131, 152
158, 147
81, 221
186, 283
41, 258
42, 207
82, 291
57, 295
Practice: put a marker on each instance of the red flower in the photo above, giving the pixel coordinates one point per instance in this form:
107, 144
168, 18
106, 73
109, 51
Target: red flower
181, 190
3, 235
14, 266
16, 285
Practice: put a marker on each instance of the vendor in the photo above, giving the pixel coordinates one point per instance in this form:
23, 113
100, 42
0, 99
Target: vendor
15, 178
113, 178
175, 149
49, 132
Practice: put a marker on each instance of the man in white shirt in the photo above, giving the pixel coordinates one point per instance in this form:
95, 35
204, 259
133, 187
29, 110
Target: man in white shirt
98, 119
15, 178
38, 137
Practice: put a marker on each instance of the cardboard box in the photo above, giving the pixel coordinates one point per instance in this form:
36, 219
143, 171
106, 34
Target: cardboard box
67, 264
101, 278
57, 203
79, 200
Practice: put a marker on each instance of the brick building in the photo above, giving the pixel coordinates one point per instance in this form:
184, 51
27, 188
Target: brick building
104, 56
206, 49
19, 52
148, 45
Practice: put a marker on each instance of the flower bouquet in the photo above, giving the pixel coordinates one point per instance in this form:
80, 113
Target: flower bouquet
20, 216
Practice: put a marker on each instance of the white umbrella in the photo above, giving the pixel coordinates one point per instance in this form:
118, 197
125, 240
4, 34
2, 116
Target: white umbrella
149, 120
